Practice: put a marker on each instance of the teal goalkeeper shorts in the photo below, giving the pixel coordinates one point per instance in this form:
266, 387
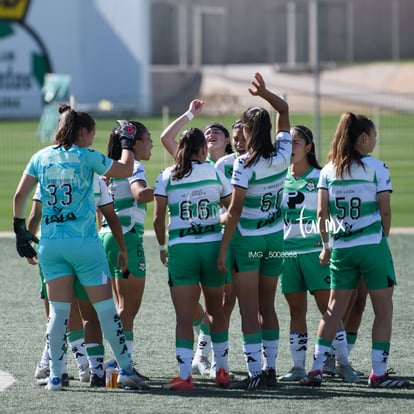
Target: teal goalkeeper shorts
78, 289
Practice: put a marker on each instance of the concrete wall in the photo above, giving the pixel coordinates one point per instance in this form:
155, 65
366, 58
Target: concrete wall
242, 31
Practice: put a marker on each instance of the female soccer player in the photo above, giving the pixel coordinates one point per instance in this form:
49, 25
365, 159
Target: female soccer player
70, 244
192, 191
254, 233
354, 199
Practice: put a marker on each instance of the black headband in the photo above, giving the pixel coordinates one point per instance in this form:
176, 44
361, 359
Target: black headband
309, 140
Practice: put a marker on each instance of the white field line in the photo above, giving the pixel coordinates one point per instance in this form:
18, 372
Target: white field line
6, 380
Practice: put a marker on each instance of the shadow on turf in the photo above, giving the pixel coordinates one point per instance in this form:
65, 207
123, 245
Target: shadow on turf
206, 388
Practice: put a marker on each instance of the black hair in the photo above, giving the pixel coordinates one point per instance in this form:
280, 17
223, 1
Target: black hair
307, 135
70, 124
114, 144
222, 128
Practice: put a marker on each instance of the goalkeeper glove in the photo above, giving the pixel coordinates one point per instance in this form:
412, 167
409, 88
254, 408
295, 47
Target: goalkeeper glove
127, 134
23, 239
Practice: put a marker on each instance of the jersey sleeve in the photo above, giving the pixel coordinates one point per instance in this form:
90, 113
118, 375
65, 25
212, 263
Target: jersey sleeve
323, 183
105, 197
283, 145
99, 162
383, 179
240, 176
160, 188
226, 186
138, 174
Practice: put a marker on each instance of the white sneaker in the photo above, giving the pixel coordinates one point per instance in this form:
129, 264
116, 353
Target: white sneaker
131, 380
42, 371
84, 373
201, 365
54, 384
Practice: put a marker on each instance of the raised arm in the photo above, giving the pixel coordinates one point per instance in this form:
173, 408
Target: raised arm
279, 104
168, 136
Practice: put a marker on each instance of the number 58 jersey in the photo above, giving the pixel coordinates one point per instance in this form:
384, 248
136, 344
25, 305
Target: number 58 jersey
354, 214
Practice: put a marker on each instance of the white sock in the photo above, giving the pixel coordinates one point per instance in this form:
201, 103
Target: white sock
269, 353
253, 358
220, 353
184, 357
379, 359
44, 361
340, 347
203, 345
298, 348
79, 353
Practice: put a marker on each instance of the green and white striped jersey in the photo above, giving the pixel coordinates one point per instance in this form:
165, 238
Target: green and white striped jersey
193, 203
131, 214
263, 182
354, 215
299, 205
225, 165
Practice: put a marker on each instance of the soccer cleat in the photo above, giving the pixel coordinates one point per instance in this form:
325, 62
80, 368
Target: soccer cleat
270, 377
329, 367
96, 381
84, 373
54, 384
222, 378
347, 374
201, 365
42, 371
179, 384
313, 379
65, 379
131, 380
213, 372
356, 372
295, 374
250, 383
385, 381
142, 376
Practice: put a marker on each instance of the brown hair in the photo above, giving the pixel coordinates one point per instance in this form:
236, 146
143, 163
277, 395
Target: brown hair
190, 144
257, 121
343, 151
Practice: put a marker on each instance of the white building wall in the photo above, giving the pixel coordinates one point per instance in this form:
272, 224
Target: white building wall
104, 45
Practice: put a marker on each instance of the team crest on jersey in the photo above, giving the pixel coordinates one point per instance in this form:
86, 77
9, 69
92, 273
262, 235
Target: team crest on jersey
311, 186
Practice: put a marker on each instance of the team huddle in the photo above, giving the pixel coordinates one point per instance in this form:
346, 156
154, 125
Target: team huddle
239, 223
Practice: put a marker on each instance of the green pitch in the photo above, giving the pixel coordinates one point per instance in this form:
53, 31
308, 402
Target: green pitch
22, 340
396, 147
